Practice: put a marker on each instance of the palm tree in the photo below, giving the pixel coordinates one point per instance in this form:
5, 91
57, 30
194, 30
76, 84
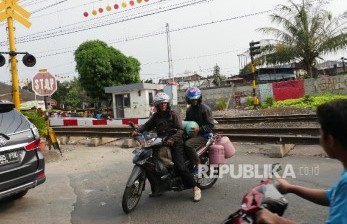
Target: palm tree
308, 31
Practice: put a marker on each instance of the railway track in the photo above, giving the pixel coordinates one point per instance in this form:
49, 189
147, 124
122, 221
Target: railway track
257, 135
272, 119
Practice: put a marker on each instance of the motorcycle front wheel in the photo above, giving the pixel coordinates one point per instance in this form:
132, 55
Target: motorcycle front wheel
132, 195
205, 181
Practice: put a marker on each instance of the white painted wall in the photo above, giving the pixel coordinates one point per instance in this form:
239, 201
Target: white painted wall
139, 105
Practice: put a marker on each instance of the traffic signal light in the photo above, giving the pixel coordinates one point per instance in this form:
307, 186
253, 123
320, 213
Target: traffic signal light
254, 48
2, 60
29, 60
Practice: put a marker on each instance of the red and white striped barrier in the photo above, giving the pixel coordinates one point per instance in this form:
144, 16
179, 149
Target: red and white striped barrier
84, 121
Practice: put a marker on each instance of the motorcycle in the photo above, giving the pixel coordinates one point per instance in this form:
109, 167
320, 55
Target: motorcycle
147, 163
263, 195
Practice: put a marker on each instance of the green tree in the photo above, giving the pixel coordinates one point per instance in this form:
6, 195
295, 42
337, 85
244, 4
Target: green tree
218, 78
308, 32
74, 95
62, 90
70, 94
101, 66
28, 86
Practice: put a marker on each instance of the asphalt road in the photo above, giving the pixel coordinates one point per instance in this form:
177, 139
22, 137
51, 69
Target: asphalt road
86, 186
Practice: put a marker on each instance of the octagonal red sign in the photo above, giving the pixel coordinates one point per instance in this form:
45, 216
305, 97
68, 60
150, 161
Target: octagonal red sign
44, 84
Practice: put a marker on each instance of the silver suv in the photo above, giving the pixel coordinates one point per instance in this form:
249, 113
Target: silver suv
22, 165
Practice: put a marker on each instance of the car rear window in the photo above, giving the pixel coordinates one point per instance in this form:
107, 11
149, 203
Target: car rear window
12, 121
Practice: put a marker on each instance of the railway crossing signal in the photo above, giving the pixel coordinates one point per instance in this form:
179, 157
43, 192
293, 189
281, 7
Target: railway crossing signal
254, 49
10, 10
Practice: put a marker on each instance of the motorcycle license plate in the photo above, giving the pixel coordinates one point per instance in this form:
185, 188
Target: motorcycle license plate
10, 157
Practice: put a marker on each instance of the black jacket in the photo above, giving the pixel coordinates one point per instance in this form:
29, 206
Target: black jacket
201, 114
163, 122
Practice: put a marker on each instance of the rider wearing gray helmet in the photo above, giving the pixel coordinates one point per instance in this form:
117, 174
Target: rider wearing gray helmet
165, 119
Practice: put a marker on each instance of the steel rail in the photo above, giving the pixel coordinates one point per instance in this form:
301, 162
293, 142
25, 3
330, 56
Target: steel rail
268, 131
275, 139
272, 118
263, 135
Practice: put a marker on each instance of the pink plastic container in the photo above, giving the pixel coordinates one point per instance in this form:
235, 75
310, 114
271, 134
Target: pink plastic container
229, 149
216, 154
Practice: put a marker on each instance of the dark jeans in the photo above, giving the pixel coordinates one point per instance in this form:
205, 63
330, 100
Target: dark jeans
156, 184
190, 146
177, 153
178, 159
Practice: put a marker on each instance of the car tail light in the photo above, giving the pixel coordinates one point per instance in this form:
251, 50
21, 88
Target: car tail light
41, 174
32, 145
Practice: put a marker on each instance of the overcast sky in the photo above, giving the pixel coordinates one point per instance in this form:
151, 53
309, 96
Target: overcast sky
203, 33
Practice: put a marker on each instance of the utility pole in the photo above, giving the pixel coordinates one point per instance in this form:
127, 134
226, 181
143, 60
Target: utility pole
171, 77
10, 10
254, 50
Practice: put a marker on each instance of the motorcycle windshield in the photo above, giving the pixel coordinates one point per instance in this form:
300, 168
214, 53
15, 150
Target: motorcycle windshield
153, 142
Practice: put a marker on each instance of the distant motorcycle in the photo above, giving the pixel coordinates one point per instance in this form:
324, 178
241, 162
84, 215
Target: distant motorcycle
263, 195
147, 162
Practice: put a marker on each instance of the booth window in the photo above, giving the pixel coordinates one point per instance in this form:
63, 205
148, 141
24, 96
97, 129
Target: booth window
150, 97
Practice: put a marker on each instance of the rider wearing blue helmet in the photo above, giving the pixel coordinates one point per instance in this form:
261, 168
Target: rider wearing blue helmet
201, 114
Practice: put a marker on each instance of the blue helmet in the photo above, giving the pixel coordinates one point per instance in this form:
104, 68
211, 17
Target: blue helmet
193, 93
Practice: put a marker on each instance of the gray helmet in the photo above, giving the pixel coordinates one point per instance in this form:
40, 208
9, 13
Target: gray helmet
161, 98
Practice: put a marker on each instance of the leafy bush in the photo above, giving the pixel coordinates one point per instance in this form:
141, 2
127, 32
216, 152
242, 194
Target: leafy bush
37, 119
309, 102
221, 104
307, 99
269, 102
250, 101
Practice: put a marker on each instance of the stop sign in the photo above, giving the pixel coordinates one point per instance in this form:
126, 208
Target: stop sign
44, 83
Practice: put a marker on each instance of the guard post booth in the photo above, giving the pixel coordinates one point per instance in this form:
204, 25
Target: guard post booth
133, 100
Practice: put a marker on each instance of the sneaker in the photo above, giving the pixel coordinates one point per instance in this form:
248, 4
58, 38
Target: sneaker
197, 195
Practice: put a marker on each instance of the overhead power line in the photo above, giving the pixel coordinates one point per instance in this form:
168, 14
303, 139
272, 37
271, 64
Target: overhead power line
155, 33
48, 6
61, 31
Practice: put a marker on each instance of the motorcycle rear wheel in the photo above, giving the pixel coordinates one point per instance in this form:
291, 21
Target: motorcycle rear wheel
206, 182
132, 195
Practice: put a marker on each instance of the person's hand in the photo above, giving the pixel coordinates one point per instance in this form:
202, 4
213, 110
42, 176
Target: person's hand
282, 185
134, 133
170, 142
264, 216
